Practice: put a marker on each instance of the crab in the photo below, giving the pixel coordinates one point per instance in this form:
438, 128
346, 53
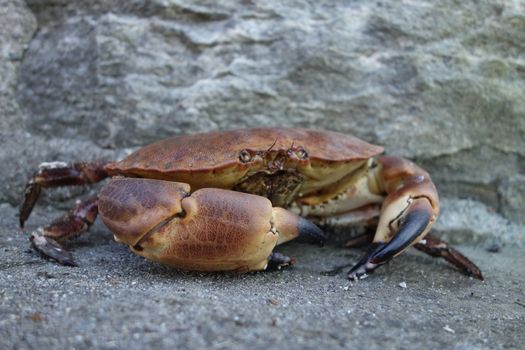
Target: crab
221, 201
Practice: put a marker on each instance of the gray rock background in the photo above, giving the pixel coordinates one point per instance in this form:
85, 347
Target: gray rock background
440, 82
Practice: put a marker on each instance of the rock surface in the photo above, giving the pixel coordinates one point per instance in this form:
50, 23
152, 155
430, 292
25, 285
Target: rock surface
441, 82
17, 25
117, 300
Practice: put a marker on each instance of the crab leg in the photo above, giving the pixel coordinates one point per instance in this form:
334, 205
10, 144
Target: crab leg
409, 210
435, 247
78, 220
56, 174
361, 240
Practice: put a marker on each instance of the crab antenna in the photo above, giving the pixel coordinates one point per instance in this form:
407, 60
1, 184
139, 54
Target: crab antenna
269, 149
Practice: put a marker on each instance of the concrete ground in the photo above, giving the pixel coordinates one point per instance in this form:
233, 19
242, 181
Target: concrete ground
116, 300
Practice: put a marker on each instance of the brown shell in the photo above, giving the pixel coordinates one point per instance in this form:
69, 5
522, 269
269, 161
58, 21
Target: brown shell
219, 151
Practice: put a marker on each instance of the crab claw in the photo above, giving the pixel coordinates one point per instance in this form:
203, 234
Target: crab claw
209, 230
411, 226
408, 212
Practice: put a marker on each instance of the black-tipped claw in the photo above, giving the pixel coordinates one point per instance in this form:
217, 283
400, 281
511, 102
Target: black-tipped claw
277, 261
412, 226
50, 248
365, 267
310, 233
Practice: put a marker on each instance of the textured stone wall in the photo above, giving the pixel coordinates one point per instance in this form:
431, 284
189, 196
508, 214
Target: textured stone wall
440, 82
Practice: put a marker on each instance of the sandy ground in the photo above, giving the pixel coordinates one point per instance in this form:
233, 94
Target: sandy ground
116, 300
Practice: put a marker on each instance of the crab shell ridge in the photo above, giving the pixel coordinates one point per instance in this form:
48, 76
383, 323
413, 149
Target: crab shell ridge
223, 159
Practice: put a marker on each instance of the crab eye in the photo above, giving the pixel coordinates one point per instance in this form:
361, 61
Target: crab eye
245, 156
301, 153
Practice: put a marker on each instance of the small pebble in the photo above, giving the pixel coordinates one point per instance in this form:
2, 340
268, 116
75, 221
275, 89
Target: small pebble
36, 317
495, 248
403, 285
448, 329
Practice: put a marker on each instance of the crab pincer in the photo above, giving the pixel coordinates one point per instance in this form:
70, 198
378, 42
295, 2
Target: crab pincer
207, 230
409, 210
